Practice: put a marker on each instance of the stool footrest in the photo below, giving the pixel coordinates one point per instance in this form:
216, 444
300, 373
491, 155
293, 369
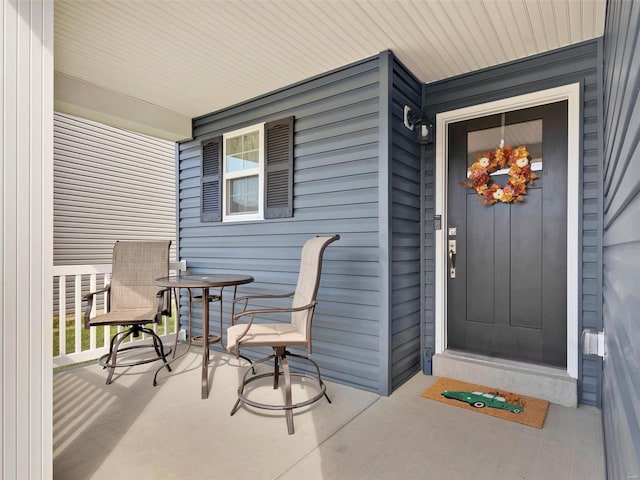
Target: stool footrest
212, 298
281, 369
198, 340
104, 360
322, 390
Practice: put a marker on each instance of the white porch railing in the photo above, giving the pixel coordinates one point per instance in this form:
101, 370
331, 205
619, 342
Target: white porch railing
63, 276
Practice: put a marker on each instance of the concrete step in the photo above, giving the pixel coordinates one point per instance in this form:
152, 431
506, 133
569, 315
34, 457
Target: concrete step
548, 383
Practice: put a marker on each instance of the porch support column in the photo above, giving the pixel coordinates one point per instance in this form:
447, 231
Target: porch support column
26, 215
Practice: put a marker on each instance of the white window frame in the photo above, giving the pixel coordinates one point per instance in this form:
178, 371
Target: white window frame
240, 217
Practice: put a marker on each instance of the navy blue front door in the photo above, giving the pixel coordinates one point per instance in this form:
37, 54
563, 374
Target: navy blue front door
508, 296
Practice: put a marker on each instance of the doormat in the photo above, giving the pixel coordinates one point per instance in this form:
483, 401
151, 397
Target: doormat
490, 401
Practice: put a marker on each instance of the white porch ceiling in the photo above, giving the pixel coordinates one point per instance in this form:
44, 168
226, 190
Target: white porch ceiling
152, 65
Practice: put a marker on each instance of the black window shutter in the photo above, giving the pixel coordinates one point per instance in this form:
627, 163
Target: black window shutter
278, 168
211, 180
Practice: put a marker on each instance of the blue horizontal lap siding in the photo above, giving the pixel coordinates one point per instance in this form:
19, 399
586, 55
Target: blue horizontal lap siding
429, 278
573, 64
591, 223
405, 230
338, 91
621, 249
335, 191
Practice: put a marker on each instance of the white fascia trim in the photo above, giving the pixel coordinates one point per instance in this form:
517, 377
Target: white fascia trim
94, 102
571, 93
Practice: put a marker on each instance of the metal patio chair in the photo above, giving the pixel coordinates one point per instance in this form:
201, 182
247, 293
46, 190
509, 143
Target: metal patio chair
133, 302
280, 336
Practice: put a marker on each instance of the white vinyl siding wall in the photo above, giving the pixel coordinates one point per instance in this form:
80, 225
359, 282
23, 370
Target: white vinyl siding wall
109, 185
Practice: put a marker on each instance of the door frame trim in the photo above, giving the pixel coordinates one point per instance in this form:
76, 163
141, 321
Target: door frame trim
571, 93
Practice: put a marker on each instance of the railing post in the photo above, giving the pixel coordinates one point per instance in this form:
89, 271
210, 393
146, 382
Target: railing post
77, 313
105, 301
62, 315
92, 331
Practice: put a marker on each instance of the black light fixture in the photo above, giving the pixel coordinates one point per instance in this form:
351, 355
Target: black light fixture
419, 119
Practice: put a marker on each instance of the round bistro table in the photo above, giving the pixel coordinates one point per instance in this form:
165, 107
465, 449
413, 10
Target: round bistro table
205, 282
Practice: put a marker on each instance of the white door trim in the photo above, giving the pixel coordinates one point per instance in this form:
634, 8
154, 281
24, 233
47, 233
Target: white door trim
572, 94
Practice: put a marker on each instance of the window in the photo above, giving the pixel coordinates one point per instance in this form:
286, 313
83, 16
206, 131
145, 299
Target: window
243, 160
247, 174
523, 133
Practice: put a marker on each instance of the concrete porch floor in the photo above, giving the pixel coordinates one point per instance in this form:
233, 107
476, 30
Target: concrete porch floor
132, 430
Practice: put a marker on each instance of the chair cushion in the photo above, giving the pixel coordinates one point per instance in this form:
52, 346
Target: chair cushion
265, 334
129, 316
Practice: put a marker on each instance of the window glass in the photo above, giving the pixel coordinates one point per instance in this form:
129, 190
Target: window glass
243, 195
242, 152
527, 133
